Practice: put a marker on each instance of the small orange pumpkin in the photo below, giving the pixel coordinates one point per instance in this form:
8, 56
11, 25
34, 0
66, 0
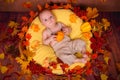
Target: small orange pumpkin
60, 36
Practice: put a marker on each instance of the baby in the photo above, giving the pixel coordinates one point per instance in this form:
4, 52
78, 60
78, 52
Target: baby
66, 48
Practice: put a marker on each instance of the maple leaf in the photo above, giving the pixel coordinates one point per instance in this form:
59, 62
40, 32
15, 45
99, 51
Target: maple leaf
94, 56
103, 77
106, 23
73, 18
89, 71
26, 43
15, 31
32, 13
13, 24
3, 69
47, 5
24, 18
39, 7
92, 13
28, 36
68, 6
21, 35
55, 6
27, 4
24, 28
2, 55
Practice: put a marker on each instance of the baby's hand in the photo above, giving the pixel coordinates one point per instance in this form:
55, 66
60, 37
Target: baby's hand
66, 30
52, 38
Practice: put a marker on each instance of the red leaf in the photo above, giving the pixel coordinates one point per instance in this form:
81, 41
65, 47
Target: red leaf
24, 18
94, 56
28, 36
89, 71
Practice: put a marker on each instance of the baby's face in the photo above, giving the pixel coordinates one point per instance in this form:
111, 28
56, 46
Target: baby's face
47, 19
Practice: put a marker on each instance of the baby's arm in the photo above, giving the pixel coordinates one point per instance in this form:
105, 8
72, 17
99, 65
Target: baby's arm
47, 38
66, 29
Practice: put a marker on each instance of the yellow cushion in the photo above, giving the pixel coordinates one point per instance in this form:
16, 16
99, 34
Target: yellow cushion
46, 52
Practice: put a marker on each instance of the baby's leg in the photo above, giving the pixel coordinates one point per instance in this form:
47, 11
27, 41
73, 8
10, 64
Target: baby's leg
79, 45
68, 59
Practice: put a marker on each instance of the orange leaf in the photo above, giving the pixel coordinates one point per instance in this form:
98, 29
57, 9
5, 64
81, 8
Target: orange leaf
89, 71
47, 5
32, 13
26, 43
88, 64
24, 18
24, 28
68, 6
39, 7
27, 4
55, 6
94, 56
21, 35
28, 36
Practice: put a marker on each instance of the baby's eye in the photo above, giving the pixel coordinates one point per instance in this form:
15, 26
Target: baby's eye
45, 20
51, 16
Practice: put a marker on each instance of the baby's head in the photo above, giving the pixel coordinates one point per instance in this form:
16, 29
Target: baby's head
47, 18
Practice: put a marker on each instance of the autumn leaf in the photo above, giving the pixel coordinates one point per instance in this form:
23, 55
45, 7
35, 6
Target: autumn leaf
31, 13
21, 35
39, 7
24, 28
2, 55
35, 27
24, 18
13, 24
106, 23
26, 43
92, 13
28, 36
89, 71
68, 6
73, 18
94, 56
15, 31
3, 69
27, 4
47, 5
103, 77
55, 6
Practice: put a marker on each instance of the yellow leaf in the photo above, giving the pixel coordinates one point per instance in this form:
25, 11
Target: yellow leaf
73, 18
104, 77
106, 23
106, 59
14, 32
3, 69
2, 56
39, 7
86, 27
92, 13
12, 24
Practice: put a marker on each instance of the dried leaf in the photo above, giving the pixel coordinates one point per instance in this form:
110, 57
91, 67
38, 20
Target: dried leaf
21, 35
47, 5
73, 18
2, 56
3, 69
28, 36
39, 7
103, 77
106, 23
27, 4
24, 18
92, 13
13, 24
